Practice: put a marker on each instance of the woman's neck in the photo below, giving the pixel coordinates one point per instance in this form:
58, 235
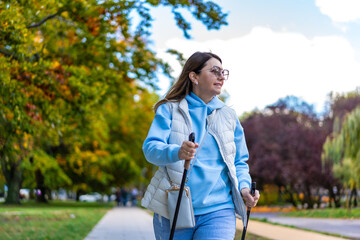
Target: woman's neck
206, 99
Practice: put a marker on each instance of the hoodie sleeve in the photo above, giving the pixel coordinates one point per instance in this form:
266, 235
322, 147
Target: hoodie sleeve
156, 148
242, 155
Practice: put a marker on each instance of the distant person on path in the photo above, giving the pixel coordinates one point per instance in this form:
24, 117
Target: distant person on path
134, 195
220, 172
124, 196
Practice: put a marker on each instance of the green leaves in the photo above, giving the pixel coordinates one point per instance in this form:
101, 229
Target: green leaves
342, 149
210, 14
69, 71
54, 175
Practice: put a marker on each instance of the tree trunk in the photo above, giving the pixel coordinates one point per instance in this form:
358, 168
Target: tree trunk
308, 198
347, 203
318, 199
78, 193
291, 197
48, 193
280, 194
13, 181
353, 194
356, 198
334, 196
12, 171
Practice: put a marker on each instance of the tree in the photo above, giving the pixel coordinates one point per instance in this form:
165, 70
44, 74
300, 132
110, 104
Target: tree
342, 149
59, 63
339, 106
285, 142
110, 155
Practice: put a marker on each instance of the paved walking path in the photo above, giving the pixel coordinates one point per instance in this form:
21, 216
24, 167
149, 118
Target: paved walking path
132, 223
124, 223
283, 233
346, 227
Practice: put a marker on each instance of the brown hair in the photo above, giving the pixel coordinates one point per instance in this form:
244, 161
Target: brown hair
183, 86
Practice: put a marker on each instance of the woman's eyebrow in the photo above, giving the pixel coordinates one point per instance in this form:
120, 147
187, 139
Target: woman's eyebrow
217, 67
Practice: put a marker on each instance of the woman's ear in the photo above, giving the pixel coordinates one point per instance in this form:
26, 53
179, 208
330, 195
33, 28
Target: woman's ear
193, 77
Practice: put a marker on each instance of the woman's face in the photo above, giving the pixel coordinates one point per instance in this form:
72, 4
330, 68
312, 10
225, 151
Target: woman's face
209, 84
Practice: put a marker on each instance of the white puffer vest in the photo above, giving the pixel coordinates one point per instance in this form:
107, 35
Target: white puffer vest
221, 125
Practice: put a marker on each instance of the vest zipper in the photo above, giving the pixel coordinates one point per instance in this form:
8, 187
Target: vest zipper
188, 123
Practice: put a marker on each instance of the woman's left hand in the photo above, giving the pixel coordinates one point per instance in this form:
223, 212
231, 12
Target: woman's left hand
250, 200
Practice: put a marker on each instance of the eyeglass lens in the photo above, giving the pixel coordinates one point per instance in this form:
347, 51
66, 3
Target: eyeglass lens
221, 73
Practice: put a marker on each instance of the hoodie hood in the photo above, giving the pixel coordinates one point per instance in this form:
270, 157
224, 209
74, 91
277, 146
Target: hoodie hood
194, 102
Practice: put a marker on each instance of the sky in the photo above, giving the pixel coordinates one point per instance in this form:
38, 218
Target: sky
273, 49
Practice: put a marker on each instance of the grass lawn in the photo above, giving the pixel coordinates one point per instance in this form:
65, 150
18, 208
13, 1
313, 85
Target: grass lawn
56, 220
325, 213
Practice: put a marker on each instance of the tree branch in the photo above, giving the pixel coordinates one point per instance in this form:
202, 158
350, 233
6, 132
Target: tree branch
35, 57
8, 54
34, 25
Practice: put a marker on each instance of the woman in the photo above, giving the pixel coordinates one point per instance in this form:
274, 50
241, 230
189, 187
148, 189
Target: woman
220, 171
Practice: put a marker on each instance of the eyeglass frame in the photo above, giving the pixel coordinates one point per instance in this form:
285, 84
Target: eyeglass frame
218, 72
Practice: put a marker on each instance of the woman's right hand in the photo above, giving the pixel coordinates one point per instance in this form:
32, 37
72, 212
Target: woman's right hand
250, 200
188, 150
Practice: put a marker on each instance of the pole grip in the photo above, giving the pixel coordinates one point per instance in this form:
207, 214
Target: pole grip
187, 162
253, 188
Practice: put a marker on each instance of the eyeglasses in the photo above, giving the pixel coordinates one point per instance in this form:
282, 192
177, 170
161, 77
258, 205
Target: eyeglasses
218, 72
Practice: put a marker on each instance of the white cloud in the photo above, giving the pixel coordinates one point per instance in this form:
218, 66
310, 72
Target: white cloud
266, 65
340, 10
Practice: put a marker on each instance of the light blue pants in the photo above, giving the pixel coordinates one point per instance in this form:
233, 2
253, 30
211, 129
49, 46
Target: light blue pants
219, 225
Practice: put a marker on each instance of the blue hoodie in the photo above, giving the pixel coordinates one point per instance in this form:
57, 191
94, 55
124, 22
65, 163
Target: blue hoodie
208, 180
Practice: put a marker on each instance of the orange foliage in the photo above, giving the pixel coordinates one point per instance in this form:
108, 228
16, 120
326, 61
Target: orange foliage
61, 160
102, 10
72, 37
264, 209
102, 153
93, 25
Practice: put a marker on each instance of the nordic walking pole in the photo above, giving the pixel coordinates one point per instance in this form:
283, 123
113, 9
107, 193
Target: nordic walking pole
186, 168
252, 192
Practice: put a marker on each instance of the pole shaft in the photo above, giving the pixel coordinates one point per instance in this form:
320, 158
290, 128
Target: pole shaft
178, 205
182, 184
252, 192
